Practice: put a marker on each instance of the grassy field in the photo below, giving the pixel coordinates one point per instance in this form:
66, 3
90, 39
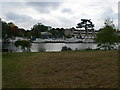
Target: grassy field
80, 69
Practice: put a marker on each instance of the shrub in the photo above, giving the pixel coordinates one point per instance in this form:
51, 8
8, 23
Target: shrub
65, 48
42, 50
25, 45
88, 48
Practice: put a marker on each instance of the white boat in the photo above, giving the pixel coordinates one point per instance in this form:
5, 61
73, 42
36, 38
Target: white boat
18, 39
88, 40
39, 40
73, 40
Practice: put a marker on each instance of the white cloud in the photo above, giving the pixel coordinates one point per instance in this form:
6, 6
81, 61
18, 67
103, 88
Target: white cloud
61, 14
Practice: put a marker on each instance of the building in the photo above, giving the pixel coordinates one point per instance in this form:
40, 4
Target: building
89, 34
80, 33
69, 32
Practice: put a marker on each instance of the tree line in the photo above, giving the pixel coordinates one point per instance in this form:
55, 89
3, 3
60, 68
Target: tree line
10, 30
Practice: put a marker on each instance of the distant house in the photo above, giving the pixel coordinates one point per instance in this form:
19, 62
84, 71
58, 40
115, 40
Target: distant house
69, 32
79, 33
83, 34
46, 35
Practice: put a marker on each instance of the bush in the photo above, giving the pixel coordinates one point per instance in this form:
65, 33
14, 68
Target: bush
25, 45
88, 48
107, 38
65, 48
42, 50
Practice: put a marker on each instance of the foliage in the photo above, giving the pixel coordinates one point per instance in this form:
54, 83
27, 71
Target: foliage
25, 45
37, 29
88, 48
5, 29
9, 30
54, 32
107, 38
57, 32
40, 27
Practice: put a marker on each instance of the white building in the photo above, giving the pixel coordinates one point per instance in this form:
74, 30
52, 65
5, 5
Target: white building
80, 33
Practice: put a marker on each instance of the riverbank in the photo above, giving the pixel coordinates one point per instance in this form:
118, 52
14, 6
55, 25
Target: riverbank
78, 69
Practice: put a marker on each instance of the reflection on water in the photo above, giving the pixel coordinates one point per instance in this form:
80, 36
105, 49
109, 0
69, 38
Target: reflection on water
37, 47
58, 46
11, 47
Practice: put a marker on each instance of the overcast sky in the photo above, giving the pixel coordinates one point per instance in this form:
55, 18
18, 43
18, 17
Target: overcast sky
64, 14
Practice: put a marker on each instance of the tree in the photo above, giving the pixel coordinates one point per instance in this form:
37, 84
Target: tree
54, 32
107, 38
38, 28
13, 31
65, 48
5, 29
87, 25
9, 30
57, 32
28, 34
25, 45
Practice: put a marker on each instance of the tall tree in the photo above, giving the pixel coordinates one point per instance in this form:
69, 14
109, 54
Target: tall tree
9, 30
5, 28
107, 38
57, 32
38, 28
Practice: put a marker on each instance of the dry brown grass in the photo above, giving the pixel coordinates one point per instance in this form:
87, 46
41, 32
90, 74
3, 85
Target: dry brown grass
96, 69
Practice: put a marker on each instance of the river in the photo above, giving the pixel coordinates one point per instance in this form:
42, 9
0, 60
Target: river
38, 47
58, 46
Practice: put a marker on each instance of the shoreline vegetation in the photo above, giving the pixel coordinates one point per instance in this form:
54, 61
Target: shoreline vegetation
66, 69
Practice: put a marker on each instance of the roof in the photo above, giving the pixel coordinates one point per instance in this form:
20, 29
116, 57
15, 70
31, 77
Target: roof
46, 33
